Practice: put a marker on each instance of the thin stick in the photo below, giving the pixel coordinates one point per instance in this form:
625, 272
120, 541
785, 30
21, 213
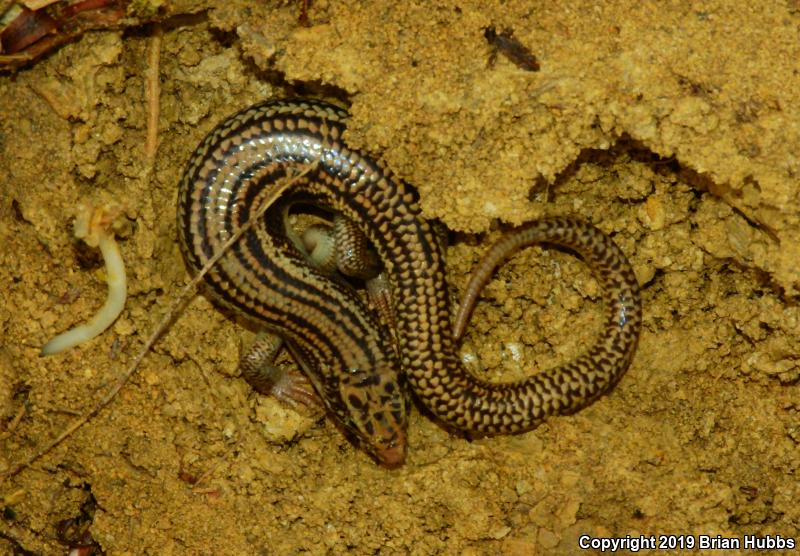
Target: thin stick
152, 92
162, 326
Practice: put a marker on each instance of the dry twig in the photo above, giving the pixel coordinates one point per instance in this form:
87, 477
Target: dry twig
152, 92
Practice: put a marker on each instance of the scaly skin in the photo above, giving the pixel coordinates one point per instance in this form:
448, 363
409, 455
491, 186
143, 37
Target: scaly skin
347, 354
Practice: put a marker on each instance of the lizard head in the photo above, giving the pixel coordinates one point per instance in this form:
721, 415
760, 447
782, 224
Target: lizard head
375, 412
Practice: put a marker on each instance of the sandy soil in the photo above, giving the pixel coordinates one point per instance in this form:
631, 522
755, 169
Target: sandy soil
673, 126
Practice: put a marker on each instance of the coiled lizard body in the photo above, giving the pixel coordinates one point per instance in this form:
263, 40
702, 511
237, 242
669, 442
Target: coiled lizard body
346, 352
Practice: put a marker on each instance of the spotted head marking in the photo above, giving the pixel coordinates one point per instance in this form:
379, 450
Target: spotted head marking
373, 409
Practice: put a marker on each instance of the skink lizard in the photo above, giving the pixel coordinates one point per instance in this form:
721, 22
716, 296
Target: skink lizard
345, 351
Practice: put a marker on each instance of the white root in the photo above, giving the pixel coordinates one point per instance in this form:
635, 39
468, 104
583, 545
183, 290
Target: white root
95, 227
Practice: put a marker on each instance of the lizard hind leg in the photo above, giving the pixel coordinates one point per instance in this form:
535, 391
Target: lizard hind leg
344, 248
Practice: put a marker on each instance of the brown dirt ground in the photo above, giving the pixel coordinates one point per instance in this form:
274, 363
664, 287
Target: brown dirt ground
673, 126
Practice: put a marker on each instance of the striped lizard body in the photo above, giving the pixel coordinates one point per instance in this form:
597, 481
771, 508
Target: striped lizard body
346, 353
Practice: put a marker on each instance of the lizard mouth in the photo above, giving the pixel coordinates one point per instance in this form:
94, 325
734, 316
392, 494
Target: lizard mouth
392, 453
392, 457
